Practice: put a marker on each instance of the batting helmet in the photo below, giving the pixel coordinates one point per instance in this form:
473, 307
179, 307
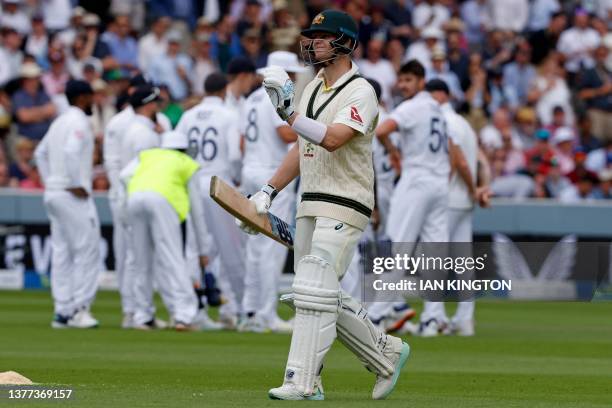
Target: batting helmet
333, 22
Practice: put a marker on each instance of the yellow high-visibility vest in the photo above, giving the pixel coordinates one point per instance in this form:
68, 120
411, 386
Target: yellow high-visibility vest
166, 172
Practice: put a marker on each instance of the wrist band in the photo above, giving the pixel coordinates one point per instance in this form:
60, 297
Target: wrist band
310, 129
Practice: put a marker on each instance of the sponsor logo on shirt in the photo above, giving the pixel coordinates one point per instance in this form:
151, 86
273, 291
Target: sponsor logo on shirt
355, 117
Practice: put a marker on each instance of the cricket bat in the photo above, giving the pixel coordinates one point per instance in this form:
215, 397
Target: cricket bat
240, 207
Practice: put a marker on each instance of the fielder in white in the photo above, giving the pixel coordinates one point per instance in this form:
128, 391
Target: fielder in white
214, 140
419, 205
463, 192
65, 160
116, 158
335, 119
266, 138
163, 187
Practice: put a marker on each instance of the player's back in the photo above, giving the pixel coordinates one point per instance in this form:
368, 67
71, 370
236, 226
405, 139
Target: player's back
214, 139
263, 148
465, 138
423, 138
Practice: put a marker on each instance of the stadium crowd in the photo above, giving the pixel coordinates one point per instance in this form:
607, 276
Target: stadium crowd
533, 77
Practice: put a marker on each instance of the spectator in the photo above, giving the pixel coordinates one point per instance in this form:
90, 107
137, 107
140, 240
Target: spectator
476, 95
122, 45
153, 43
381, 27
54, 81
80, 56
439, 70
498, 49
401, 18
526, 125
14, 17
587, 141
555, 182
458, 59
21, 168
509, 15
375, 66
605, 184
56, 14
501, 95
519, 74
102, 108
596, 91
558, 120
4, 175
476, 16
94, 45
173, 68
421, 50
563, 141
33, 181
579, 166
577, 43
541, 153
430, 14
37, 42
540, 13
600, 159
285, 30
358, 9
10, 55
548, 90
251, 18
584, 189
492, 135
225, 42
203, 65
68, 35
544, 41
252, 47
32, 107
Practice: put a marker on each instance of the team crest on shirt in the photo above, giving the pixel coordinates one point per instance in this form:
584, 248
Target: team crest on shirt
355, 116
308, 150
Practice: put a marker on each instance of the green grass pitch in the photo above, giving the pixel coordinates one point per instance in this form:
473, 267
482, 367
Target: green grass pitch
524, 355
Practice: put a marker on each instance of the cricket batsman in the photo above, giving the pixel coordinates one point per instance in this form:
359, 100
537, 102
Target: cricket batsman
335, 121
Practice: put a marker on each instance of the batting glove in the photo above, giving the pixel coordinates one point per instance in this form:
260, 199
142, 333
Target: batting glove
280, 89
262, 200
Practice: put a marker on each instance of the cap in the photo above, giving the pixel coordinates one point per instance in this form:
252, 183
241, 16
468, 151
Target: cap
174, 140
432, 32
76, 87
434, 85
376, 85
215, 82
284, 59
334, 22
138, 80
91, 20
239, 65
438, 53
563, 134
143, 95
605, 175
98, 85
204, 22
454, 24
30, 70
542, 134
174, 36
78, 11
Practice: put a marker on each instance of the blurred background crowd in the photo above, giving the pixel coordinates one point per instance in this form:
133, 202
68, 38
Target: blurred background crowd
533, 77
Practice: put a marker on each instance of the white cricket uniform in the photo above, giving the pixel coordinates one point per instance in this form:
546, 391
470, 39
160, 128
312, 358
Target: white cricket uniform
419, 205
264, 151
460, 204
335, 208
385, 177
116, 159
214, 138
65, 160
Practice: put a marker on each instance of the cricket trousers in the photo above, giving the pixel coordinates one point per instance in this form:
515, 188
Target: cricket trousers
460, 230
155, 232
75, 259
122, 249
419, 212
265, 257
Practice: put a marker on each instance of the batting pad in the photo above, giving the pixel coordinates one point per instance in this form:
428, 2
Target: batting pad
316, 298
360, 336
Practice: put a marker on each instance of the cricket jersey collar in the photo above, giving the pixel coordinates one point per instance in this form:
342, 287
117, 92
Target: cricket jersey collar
345, 77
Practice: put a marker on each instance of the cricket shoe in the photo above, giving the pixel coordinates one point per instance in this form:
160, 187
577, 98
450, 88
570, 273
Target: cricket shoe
128, 321
401, 314
153, 324
409, 328
60, 321
398, 357
290, 392
83, 320
252, 324
203, 322
430, 328
228, 321
462, 328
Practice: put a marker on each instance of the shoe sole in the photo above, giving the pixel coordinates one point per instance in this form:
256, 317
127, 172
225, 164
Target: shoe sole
319, 396
400, 323
58, 325
398, 368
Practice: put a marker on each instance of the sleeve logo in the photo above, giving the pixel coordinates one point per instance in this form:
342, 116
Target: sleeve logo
355, 115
